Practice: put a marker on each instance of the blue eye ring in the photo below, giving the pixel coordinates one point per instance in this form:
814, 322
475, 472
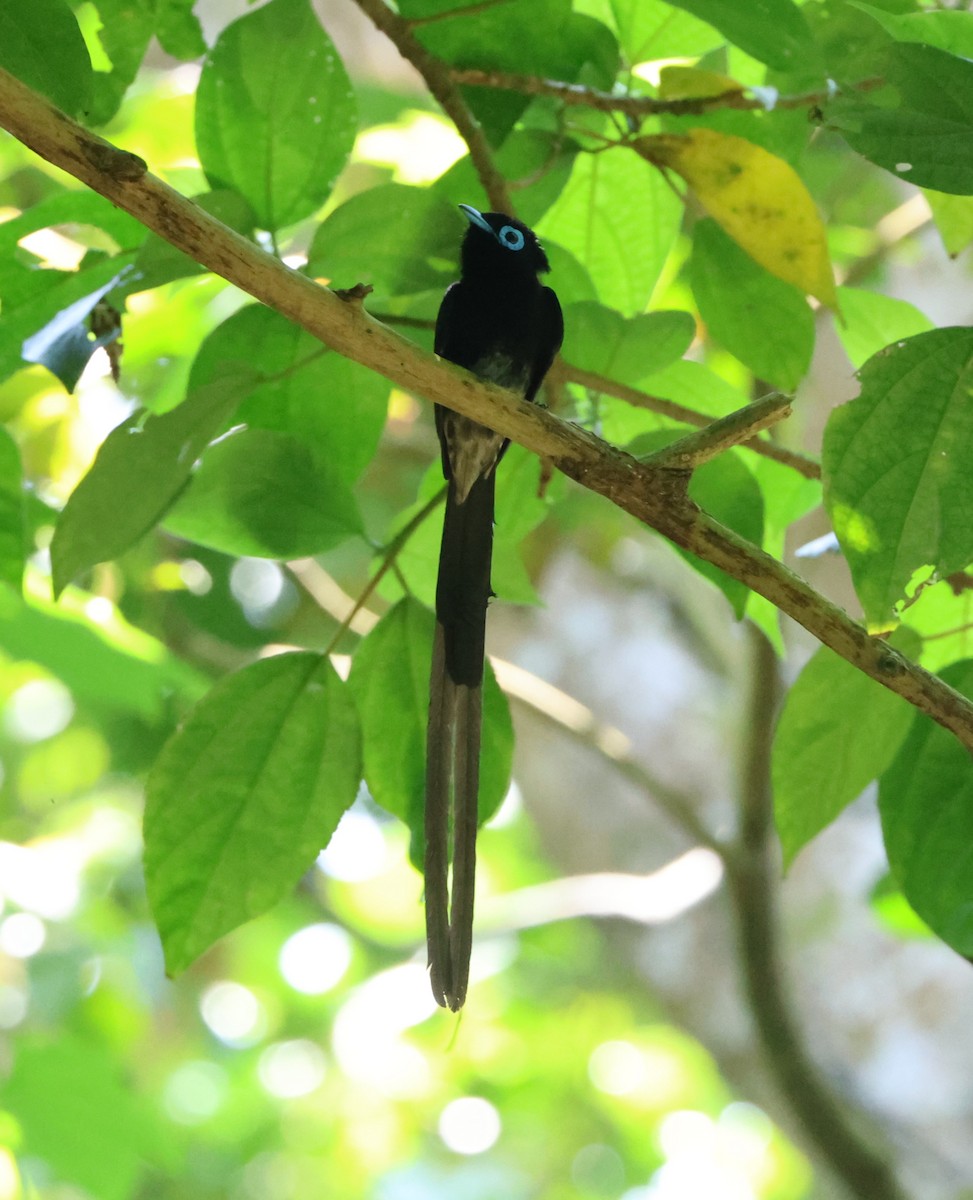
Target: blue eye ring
510, 237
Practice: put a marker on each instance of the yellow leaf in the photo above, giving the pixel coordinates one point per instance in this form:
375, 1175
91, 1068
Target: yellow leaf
759, 200
683, 83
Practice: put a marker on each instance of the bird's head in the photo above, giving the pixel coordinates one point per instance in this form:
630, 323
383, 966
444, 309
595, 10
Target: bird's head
498, 243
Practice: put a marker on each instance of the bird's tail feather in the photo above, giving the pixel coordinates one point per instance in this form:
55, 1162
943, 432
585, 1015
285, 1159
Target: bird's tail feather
453, 738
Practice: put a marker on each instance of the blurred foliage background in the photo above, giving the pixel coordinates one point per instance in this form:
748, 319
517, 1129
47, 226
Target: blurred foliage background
608, 1050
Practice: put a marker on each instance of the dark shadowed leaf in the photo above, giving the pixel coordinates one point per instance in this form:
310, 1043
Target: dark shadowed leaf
599, 339
46, 51
263, 494
920, 125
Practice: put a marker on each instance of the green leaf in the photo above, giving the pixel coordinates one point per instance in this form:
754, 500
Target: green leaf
46, 51
178, 29
764, 322
920, 125
540, 160
684, 382
954, 219
725, 488
898, 467
652, 29
107, 664
498, 37
79, 1116
948, 29
125, 33
772, 31
398, 239
244, 796
837, 732
334, 406
13, 542
871, 320
599, 339
619, 218
263, 494
926, 803
69, 207
390, 682
275, 114
141, 468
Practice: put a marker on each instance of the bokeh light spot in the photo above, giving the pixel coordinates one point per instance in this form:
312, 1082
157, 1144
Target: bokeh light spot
315, 958
469, 1125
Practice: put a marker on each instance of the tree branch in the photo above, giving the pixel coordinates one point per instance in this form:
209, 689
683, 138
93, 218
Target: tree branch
653, 496
751, 874
688, 416
447, 93
578, 95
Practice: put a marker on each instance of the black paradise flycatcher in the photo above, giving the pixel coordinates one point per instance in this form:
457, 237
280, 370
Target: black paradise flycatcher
502, 324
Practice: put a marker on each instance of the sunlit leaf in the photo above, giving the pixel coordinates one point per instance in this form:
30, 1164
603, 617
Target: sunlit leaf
620, 219
919, 125
926, 802
898, 467
871, 320
390, 681
946, 29
244, 797
108, 665
141, 468
954, 218
763, 321
837, 732
759, 200
263, 494
678, 82
652, 29
275, 114
46, 51
12, 526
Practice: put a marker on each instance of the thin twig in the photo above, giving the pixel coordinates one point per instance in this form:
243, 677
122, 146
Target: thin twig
392, 551
576, 94
735, 429
440, 83
688, 416
752, 870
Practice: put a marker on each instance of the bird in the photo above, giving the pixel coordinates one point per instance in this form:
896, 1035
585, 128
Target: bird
502, 324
